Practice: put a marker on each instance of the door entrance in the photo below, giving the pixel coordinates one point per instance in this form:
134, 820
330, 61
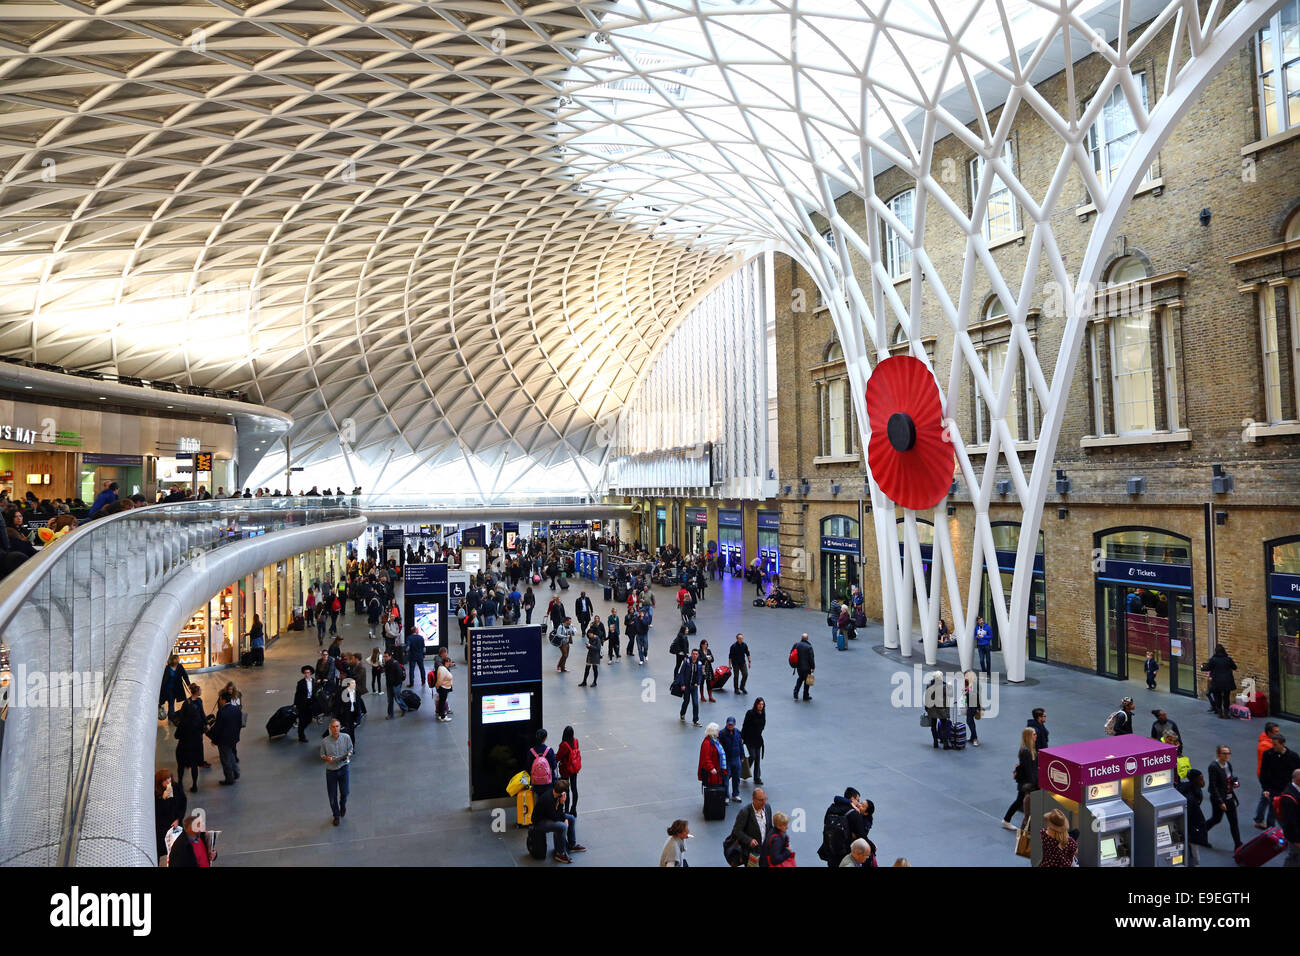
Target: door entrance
1136, 621
839, 574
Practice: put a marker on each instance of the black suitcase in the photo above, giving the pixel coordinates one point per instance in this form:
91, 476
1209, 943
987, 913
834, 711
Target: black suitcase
564, 584
536, 843
411, 699
609, 593
282, 721
690, 626
247, 658
620, 591
715, 801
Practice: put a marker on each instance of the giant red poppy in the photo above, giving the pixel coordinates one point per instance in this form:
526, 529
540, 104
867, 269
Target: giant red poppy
909, 457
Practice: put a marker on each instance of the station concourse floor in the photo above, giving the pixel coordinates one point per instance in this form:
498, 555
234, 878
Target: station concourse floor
410, 796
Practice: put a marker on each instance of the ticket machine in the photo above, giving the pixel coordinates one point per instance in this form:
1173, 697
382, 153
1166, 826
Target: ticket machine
1094, 782
1160, 818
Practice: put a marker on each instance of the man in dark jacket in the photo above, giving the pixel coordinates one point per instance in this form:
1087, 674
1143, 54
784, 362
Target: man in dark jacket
304, 700
1162, 725
1220, 667
806, 666
753, 823
740, 659
1193, 788
1223, 794
734, 748
414, 657
552, 816
582, 609
1124, 717
393, 679
842, 824
690, 677
1290, 818
225, 734
1277, 766
1038, 721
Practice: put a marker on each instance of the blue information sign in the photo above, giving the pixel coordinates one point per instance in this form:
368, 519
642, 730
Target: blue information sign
425, 578
1140, 574
728, 518
769, 521
1284, 587
836, 545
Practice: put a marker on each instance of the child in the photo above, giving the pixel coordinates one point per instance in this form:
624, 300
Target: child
1151, 667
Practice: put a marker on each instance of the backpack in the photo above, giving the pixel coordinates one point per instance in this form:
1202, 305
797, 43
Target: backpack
835, 835
336, 605
1278, 804
1111, 721
540, 774
794, 656
574, 763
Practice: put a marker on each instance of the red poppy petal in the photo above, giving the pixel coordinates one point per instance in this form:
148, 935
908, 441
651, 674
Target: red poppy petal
918, 478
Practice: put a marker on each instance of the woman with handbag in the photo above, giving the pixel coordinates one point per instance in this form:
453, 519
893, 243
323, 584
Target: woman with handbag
1059, 848
971, 701
189, 738
569, 762
776, 849
1025, 775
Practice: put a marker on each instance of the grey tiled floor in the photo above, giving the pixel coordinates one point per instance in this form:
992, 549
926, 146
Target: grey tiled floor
409, 803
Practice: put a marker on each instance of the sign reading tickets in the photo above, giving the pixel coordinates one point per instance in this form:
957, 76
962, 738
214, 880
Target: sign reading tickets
1072, 770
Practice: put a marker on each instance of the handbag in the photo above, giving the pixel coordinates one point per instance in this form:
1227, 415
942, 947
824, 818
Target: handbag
745, 769
926, 721
1022, 842
810, 681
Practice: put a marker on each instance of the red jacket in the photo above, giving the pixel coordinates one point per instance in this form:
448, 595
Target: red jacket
710, 769
682, 595
1262, 746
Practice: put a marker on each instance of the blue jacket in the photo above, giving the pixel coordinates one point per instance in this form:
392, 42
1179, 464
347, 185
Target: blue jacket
105, 497
225, 732
983, 635
732, 744
414, 647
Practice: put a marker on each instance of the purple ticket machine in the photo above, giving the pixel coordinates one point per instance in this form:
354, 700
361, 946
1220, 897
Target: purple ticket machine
1093, 784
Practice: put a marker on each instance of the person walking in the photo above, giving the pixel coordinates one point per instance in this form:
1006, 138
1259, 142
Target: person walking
688, 679
1288, 802
336, 753
1223, 794
311, 606
984, 644
1058, 846
189, 738
376, 671
1221, 682
806, 664
564, 634
1151, 667
1120, 723
350, 709
582, 609
938, 707
374, 613
336, 608
595, 644
1038, 723
394, 678
528, 603
751, 732
611, 630
1163, 725
175, 686
733, 747
739, 657
680, 648
257, 642
169, 805
415, 657
304, 698
776, 849
706, 658
1193, 788
1025, 776
674, 851
1277, 766
1264, 815
971, 706
569, 762
753, 824
630, 628
225, 734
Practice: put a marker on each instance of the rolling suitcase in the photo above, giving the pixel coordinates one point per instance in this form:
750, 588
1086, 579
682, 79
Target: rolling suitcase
609, 593
715, 801
411, 699
721, 674
564, 584
841, 643
1261, 849
536, 843
957, 736
282, 721
246, 659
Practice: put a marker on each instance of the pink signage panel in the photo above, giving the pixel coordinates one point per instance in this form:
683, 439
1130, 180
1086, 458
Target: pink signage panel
1066, 770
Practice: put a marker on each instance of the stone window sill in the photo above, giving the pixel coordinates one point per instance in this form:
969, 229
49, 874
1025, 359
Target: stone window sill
837, 459
1017, 236
1275, 140
1029, 446
1257, 430
1119, 441
1156, 186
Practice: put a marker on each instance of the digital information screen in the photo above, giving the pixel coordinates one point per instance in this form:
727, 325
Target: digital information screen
427, 618
506, 708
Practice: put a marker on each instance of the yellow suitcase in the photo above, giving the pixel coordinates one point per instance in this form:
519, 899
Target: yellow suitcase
517, 783
524, 808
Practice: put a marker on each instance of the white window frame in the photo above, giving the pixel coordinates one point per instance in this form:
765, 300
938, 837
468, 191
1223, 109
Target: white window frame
1098, 394
1271, 353
898, 255
999, 189
1276, 120
1099, 147
1115, 375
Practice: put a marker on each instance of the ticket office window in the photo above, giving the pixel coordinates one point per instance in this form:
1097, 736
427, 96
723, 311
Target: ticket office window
731, 546
1283, 568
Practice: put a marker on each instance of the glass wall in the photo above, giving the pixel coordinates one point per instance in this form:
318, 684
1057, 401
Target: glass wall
1006, 539
1282, 559
840, 550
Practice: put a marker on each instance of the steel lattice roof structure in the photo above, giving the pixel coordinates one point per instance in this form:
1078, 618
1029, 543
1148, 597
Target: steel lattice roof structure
448, 236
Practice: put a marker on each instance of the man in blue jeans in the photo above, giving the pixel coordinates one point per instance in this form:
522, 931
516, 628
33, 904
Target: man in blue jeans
336, 752
563, 827
394, 676
690, 677
983, 639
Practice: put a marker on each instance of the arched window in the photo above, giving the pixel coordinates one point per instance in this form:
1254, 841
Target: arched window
834, 352
835, 410
994, 355
1281, 365
898, 255
839, 526
1125, 269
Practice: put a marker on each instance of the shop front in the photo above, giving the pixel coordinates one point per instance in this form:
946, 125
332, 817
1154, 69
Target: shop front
1282, 564
1006, 539
1144, 604
841, 549
208, 638
769, 533
697, 530
731, 538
